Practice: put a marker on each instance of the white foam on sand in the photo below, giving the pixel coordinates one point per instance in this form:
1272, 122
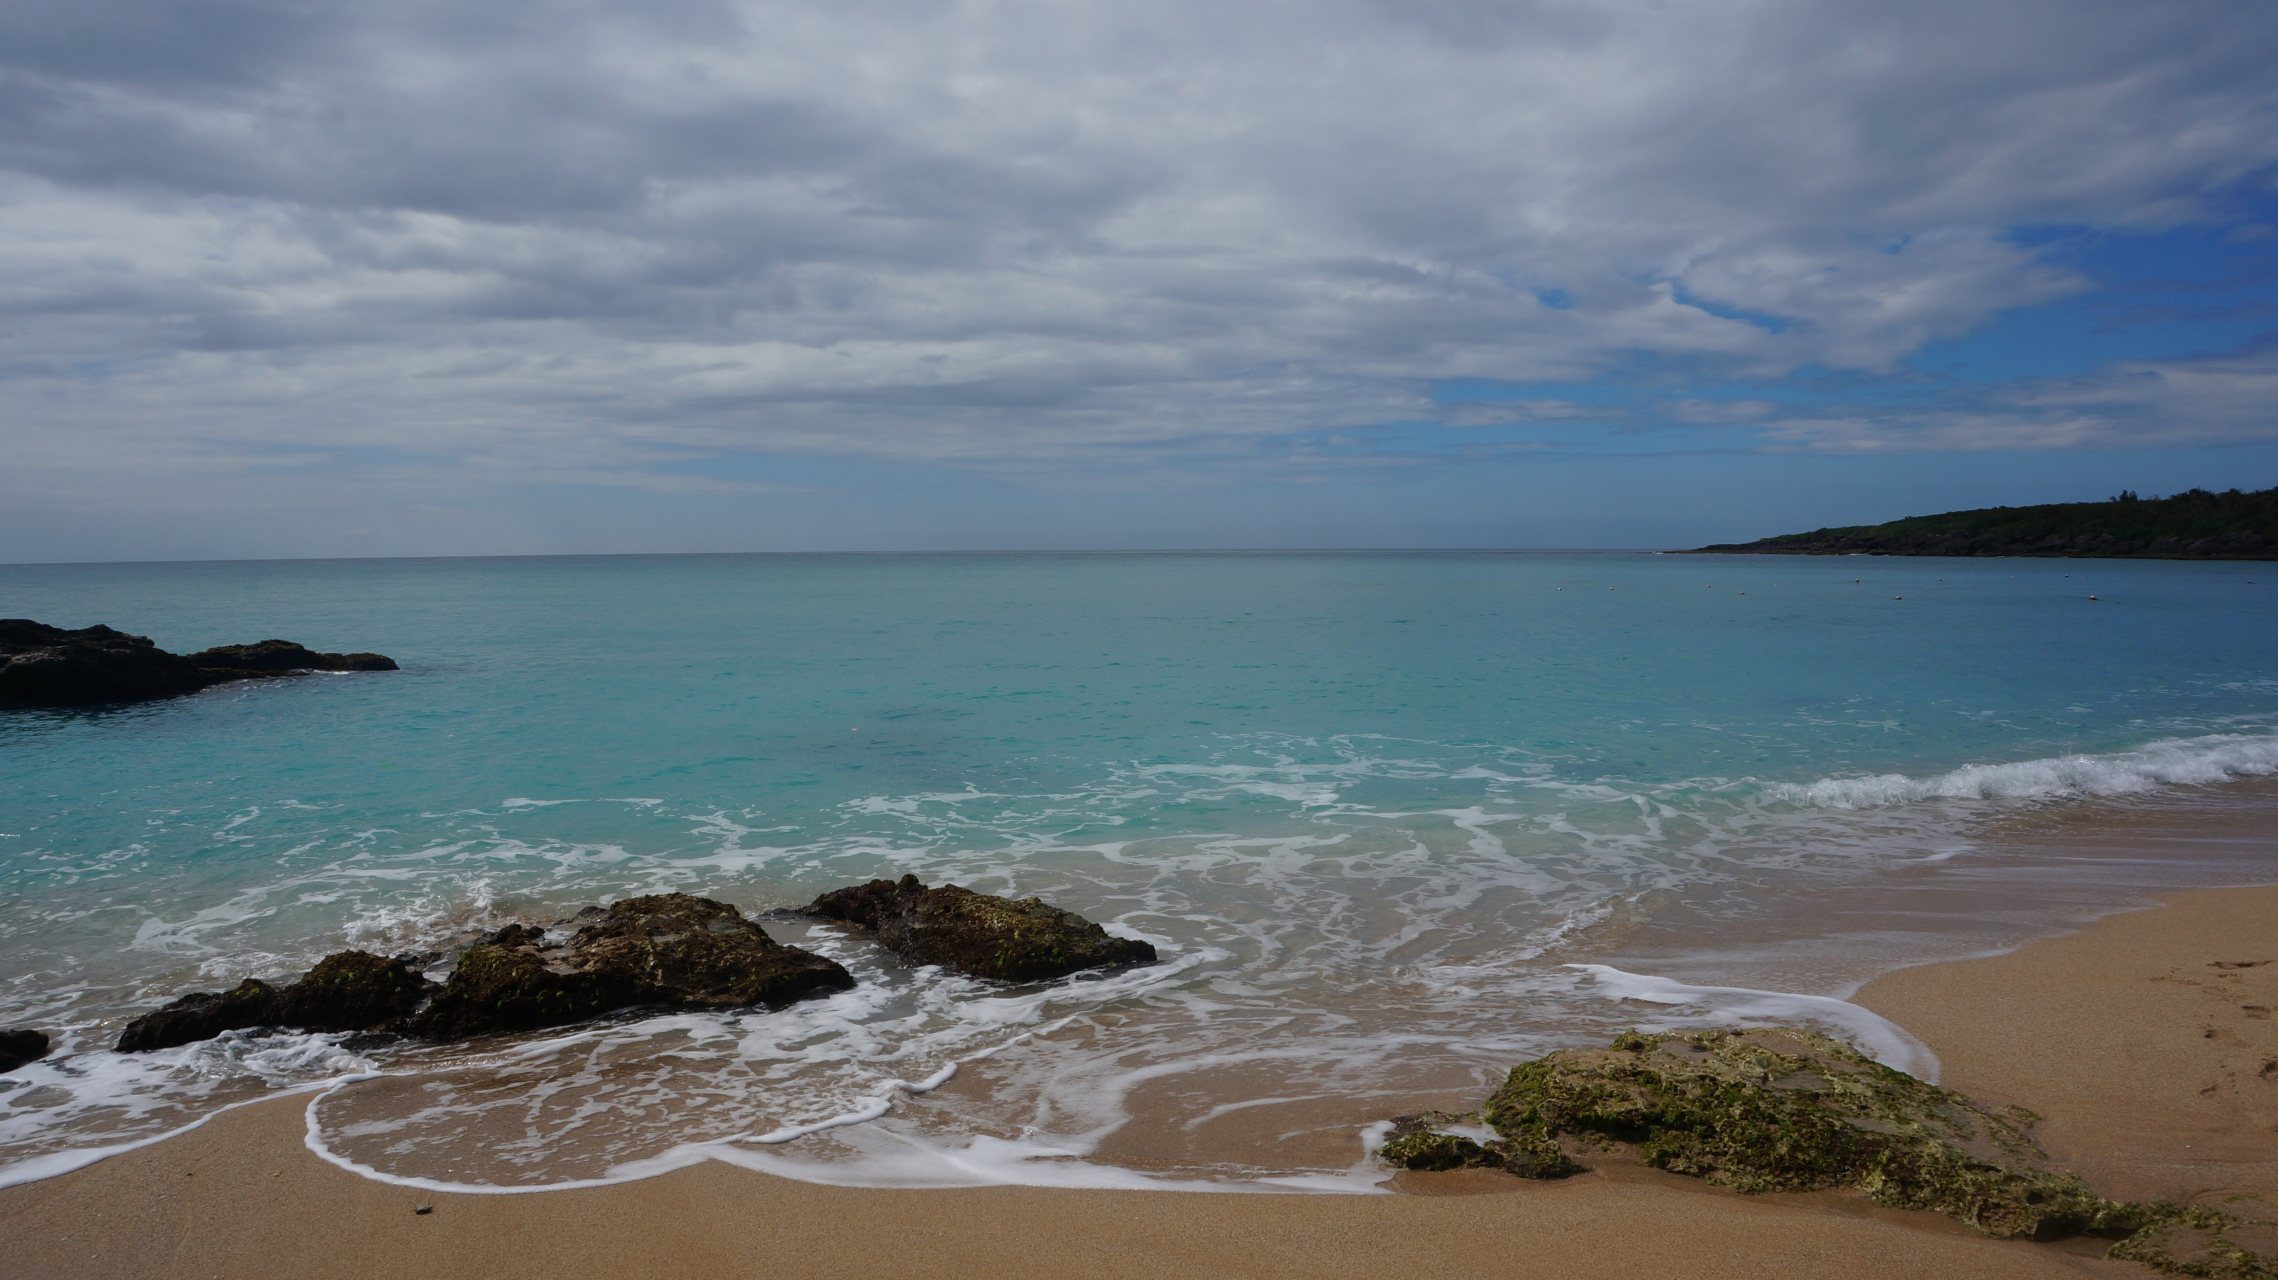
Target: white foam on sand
1876, 1036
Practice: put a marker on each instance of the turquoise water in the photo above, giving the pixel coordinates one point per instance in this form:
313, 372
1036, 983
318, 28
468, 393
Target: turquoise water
1365, 803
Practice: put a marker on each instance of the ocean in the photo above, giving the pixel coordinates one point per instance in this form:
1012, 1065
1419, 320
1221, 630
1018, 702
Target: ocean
1394, 820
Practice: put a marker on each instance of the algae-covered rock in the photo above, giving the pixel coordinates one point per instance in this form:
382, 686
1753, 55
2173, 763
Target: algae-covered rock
1782, 1109
352, 991
346, 991
2204, 1242
1791, 1110
663, 949
978, 933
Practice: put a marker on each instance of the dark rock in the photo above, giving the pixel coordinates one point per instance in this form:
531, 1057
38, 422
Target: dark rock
978, 933
665, 949
44, 666
366, 1041
347, 991
20, 1045
352, 991
201, 1015
284, 655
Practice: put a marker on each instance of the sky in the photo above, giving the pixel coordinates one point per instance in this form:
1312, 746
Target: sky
475, 277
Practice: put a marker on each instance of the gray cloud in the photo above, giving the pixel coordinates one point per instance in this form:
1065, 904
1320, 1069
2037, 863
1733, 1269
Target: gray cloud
538, 244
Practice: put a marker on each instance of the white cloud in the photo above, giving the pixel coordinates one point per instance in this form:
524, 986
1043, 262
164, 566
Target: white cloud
524, 241
2217, 400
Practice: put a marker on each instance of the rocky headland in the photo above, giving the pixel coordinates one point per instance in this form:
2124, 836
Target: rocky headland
2193, 525
44, 666
977, 934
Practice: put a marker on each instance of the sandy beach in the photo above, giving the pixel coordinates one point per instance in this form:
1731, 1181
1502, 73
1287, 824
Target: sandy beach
2146, 1040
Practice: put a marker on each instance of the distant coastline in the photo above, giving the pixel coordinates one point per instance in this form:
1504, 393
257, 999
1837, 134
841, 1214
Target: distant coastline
2193, 525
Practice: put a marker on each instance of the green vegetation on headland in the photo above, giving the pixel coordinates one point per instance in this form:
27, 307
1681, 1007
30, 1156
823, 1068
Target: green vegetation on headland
1783, 1109
2193, 525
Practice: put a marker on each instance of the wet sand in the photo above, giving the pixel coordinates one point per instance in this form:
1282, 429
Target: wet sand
2148, 1042
2146, 1039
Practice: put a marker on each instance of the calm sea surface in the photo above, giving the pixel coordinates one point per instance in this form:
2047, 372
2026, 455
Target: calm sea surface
1370, 807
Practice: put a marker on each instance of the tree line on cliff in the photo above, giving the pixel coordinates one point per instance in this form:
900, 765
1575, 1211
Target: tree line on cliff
2193, 525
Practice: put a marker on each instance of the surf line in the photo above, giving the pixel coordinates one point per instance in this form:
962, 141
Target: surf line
1881, 1039
677, 1157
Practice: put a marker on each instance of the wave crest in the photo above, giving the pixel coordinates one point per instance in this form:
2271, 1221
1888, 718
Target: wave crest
2173, 762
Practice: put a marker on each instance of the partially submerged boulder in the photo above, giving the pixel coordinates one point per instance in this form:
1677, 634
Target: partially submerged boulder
978, 933
663, 949
284, 655
19, 1045
346, 991
44, 666
1783, 1109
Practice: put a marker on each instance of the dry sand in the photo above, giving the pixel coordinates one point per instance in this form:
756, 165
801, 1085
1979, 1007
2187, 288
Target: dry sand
2146, 1040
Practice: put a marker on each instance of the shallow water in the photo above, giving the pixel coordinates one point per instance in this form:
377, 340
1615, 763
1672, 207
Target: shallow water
1369, 807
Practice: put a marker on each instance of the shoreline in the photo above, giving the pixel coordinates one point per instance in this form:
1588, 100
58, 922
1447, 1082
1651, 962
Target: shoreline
2137, 1038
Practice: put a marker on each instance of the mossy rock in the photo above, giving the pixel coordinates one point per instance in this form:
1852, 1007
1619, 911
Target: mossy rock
980, 934
2205, 1242
1784, 1109
669, 949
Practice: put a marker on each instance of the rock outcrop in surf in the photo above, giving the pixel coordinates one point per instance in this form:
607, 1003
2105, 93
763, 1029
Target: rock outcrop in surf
346, 991
663, 949
19, 1045
44, 666
669, 949
1782, 1109
977, 933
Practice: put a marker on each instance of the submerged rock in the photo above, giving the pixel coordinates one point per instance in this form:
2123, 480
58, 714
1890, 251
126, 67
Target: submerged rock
1783, 1109
284, 655
978, 933
19, 1045
44, 666
664, 949
346, 991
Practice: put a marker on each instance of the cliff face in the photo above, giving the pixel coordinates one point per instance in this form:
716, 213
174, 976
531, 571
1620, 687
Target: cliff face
2195, 525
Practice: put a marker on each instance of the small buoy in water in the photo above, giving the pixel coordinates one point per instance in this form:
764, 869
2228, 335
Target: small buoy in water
2092, 597
1898, 597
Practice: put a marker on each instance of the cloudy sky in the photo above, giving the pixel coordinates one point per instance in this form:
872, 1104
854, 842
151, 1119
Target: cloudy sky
306, 277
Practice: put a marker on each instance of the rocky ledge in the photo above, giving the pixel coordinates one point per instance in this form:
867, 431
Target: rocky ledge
1791, 1110
664, 949
44, 666
977, 933
19, 1045
346, 991
668, 949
